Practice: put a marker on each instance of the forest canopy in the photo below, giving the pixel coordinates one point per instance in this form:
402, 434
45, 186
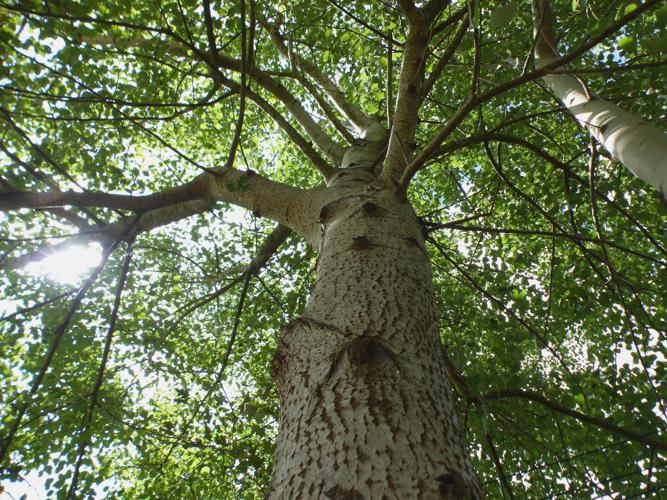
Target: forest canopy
148, 374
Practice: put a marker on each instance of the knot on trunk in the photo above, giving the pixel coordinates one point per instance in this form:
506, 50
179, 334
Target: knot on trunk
370, 209
451, 485
360, 243
368, 350
365, 353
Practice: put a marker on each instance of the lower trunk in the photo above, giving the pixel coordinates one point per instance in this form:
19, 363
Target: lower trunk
366, 408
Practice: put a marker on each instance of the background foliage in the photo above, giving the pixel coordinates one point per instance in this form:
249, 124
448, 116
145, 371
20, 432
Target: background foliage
533, 296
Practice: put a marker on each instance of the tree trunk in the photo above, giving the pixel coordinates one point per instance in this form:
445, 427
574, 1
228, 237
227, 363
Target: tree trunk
366, 408
638, 145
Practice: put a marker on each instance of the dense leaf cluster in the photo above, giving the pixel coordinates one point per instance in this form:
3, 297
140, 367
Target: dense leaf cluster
550, 280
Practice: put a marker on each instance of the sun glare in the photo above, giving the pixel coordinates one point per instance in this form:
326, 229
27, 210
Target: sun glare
67, 266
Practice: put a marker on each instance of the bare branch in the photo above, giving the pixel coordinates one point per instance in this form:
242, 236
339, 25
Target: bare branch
8, 118
105, 234
446, 56
607, 69
408, 8
456, 225
320, 137
543, 34
390, 82
266, 198
326, 108
353, 113
210, 34
24, 199
270, 246
244, 85
74, 219
433, 8
408, 99
638, 145
325, 168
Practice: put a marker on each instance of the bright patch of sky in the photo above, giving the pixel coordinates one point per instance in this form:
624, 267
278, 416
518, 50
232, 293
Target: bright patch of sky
31, 487
67, 266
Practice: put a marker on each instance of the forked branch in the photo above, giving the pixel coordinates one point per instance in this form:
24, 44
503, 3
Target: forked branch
363, 122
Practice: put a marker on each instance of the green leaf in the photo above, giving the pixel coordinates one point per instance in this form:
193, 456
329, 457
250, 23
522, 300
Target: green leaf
657, 44
629, 8
502, 16
525, 299
627, 43
661, 16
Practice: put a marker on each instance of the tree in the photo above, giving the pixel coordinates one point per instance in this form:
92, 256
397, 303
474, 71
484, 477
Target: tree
464, 294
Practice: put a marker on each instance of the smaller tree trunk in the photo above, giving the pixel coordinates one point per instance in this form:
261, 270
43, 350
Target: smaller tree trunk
638, 145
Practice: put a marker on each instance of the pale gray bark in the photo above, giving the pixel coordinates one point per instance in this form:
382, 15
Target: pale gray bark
280, 202
367, 410
638, 145
410, 87
401, 136
366, 406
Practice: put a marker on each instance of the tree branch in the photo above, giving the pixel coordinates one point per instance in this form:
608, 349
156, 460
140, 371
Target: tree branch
90, 411
448, 148
361, 22
408, 7
210, 34
285, 204
638, 145
363, 122
333, 150
499, 467
236, 140
469, 104
536, 232
326, 108
446, 55
48, 199
408, 99
25, 399
602, 423
306, 147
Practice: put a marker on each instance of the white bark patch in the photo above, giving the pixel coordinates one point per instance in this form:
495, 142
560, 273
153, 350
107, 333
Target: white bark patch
638, 145
366, 410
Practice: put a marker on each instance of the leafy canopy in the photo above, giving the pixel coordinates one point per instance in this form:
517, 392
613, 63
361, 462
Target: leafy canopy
549, 267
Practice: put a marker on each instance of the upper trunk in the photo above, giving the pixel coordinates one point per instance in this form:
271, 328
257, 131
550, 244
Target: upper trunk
366, 408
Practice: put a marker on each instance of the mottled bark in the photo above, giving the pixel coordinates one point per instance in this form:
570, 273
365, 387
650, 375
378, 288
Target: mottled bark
366, 407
